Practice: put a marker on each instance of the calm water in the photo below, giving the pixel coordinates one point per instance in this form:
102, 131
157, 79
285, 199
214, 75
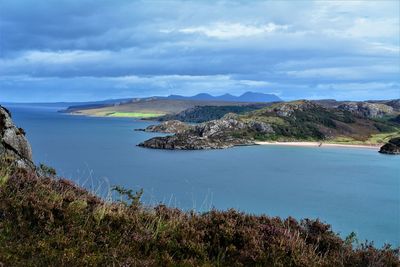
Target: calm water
352, 189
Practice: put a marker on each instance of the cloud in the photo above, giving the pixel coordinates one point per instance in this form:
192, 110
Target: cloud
348, 73
223, 30
373, 28
100, 49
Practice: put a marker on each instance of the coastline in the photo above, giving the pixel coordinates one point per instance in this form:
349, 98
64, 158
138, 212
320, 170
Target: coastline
317, 144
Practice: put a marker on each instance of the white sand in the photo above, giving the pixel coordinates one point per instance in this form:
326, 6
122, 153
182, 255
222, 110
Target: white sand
317, 144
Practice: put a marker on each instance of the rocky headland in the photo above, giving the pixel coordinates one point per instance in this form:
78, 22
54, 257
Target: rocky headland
209, 135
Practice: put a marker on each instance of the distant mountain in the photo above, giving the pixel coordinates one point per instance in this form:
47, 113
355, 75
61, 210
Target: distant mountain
258, 97
228, 97
246, 97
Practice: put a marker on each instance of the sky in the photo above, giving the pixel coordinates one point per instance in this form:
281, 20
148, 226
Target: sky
82, 50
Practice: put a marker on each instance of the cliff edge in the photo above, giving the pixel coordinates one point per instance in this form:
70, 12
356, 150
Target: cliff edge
13, 143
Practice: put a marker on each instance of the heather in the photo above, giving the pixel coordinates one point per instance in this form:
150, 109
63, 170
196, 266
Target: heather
47, 221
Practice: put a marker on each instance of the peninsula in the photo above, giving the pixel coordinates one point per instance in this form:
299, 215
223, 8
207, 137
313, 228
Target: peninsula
360, 124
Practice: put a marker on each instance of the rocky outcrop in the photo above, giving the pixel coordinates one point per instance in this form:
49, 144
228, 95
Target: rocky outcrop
13, 144
368, 110
392, 147
193, 142
226, 132
173, 126
217, 128
289, 108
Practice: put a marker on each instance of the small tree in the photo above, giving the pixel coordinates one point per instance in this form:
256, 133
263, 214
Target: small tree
133, 197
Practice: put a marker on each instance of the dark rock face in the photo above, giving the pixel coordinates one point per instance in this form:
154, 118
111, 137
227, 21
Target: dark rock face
392, 147
368, 110
216, 134
173, 126
13, 144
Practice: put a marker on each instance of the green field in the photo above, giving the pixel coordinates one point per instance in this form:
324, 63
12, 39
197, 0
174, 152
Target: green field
375, 139
134, 115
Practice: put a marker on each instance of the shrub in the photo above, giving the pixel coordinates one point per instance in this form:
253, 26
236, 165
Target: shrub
47, 222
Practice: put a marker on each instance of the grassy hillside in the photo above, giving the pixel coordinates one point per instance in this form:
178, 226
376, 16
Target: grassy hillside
305, 120
48, 222
200, 114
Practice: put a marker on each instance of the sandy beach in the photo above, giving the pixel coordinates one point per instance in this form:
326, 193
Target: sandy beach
318, 144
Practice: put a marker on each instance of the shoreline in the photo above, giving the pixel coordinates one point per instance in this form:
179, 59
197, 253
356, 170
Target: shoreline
317, 144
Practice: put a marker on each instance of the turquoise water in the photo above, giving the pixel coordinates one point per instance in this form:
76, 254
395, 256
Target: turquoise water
351, 189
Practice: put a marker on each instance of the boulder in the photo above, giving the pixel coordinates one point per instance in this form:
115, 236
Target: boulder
13, 143
392, 147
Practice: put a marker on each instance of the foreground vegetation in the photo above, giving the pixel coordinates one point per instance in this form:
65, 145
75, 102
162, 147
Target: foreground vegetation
46, 221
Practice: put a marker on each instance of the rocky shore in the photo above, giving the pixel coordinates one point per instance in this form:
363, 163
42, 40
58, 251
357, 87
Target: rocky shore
392, 147
173, 126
